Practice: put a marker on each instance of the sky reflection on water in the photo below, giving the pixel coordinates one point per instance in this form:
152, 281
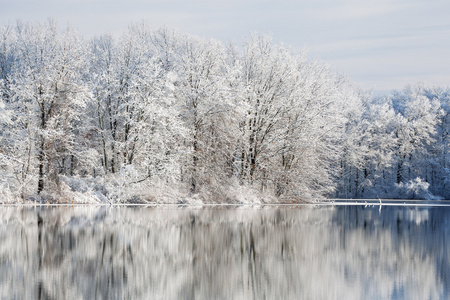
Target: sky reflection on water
342, 252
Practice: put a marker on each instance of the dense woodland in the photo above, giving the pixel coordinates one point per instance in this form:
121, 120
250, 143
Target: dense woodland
162, 116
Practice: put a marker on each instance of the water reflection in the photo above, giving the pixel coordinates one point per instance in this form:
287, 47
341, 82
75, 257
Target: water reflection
270, 253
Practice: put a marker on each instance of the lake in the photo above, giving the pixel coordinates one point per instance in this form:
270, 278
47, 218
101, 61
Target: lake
170, 252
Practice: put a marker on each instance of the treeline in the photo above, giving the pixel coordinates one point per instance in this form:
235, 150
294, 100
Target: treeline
132, 118
398, 146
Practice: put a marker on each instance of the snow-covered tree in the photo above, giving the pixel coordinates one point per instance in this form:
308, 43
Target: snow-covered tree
417, 119
120, 118
294, 112
202, 95
367, 156
49, 95
402, 138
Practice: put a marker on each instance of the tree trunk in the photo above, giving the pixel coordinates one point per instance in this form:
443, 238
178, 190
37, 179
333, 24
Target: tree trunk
41, 156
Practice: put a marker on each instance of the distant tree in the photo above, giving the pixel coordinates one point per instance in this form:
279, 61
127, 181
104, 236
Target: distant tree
399, 139
417, 121
368, 157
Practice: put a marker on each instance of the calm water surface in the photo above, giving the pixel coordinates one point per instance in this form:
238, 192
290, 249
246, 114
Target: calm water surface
327, 252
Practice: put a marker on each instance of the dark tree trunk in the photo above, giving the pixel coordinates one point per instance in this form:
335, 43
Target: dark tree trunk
41, 155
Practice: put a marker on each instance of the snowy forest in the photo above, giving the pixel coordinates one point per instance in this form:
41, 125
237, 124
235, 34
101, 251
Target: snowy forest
159, 116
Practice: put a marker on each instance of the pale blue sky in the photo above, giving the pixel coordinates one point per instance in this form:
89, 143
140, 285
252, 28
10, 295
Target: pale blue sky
381, 44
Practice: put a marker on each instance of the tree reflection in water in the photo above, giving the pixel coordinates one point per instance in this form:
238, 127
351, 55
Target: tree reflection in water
217, 253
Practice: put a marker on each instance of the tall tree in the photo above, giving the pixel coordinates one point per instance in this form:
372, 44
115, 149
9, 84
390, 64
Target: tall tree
48, 82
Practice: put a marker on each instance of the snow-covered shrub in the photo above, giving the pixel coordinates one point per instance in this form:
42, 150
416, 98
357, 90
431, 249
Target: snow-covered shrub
80, 190
6, 196
415, 189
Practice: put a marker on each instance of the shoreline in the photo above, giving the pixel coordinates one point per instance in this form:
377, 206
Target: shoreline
331, 202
